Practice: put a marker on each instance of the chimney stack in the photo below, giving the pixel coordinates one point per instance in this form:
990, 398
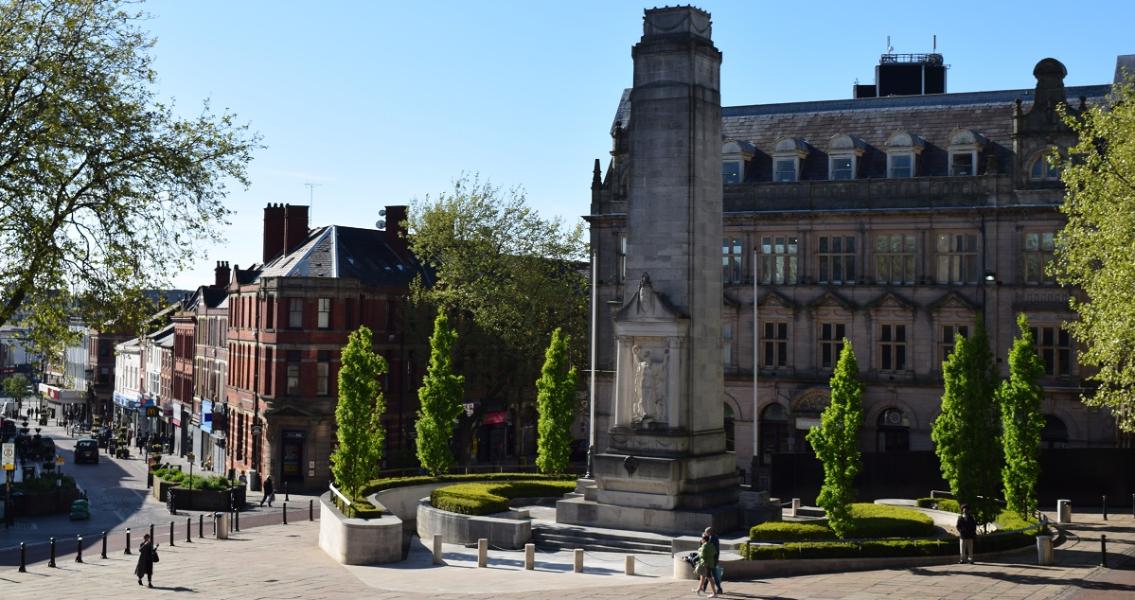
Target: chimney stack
273, 231
222, 274
295, 226
396, 228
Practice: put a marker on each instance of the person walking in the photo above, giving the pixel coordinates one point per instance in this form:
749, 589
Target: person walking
269, 492
147, 556
707, 562
717, 570
967, 533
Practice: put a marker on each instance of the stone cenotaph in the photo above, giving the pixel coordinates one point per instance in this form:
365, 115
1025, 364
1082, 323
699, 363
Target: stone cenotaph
666, 468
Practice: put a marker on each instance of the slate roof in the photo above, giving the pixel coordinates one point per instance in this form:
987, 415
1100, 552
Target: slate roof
336, 251
874, 120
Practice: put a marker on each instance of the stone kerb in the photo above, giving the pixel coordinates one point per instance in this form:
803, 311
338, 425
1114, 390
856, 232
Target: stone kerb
353, 541
403, 501
467, 529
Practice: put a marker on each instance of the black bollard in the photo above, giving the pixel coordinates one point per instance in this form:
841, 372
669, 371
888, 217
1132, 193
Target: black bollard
51, 561
237, 519
152, 538
285, 513
128, 540
79, 548
171, 534
311, 510
1105, 507
286, 498
188, 529
103, 545
1103, 550
23, 558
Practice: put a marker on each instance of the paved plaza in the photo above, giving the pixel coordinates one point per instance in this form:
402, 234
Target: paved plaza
283, 561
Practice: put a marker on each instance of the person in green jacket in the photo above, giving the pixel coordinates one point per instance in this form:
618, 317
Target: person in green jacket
707, 562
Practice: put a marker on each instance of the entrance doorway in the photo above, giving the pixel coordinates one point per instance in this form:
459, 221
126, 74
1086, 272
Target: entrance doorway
291, 456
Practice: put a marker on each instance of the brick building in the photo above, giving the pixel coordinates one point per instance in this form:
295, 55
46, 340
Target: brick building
894, 219
288, 320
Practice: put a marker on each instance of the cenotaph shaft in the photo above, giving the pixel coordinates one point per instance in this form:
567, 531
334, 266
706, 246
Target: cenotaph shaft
665, 468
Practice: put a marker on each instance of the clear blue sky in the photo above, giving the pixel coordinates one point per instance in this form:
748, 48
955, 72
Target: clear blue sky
380, 103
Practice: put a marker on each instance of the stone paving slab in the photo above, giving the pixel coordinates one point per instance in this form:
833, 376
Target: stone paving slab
278, 561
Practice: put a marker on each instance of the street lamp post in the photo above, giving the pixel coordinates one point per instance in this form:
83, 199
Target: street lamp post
190, 457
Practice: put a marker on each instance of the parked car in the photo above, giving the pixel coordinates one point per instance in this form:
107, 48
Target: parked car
86, 450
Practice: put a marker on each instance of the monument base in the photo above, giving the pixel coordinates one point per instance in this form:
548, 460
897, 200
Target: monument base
579, 511
666, 483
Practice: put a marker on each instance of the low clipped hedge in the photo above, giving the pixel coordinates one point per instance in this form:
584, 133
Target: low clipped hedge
483, 498
946, 504
868, 521
386, 483
849, 549
179, 478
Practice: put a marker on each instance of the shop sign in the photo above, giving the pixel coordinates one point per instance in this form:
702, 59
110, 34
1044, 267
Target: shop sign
8, 457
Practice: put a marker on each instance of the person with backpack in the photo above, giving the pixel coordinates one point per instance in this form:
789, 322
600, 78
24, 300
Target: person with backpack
718, 571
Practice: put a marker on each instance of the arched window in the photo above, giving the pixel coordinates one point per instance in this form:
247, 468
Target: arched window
903, 149
965, 145
1055, 432
1042, 170
893, 429
786, 157
735, 156
774, 431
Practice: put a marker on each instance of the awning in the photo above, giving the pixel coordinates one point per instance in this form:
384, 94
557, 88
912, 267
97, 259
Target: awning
58, 395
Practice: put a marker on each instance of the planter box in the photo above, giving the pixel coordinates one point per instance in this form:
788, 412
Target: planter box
358, 541
38, 504
187, 499
467, 529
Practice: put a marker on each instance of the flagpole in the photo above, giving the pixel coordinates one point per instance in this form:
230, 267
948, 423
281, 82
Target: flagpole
756, 368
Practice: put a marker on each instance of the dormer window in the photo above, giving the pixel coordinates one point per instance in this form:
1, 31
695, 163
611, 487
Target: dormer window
735, 156
843, 156
903, 148
965, 145
1042, 170
786, 158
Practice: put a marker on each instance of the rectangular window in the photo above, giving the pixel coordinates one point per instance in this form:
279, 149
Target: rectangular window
1039, 247
842, 167
957, 258
946, 343
775, 345
295, 313
900, 165
892, 347
732, 249
961, 164
621, 263
730, 172
322, 371
293, 372
894, 259
778, 259
836, 256
784, 169
831, 343
270, 313
324, 313
1054, 346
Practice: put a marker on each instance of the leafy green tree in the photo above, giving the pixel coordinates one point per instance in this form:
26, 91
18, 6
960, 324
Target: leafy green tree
1093, 250
358, 414
507, 277
555, 401
105, 192
440, 401
1021, 422
16, 388
836, 442
965, 433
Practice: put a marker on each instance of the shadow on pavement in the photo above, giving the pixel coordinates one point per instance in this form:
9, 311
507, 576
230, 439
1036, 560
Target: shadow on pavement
1024, 579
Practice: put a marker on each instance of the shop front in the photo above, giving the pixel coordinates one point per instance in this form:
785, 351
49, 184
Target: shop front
125, 409
64, 404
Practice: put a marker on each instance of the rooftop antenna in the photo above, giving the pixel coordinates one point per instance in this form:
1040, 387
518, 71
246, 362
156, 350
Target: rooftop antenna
311, 199
890, 48
935, 42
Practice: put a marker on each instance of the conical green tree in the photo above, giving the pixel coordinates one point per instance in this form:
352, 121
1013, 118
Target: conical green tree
1021, 422
965, 433
440, 401
836, 442
358, 414
555, 402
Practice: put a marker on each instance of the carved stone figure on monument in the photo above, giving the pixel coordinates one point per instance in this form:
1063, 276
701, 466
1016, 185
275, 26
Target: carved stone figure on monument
645, 295
643, 381
658, 387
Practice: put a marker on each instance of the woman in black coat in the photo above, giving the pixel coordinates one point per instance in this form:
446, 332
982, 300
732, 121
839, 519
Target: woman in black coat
147, 556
